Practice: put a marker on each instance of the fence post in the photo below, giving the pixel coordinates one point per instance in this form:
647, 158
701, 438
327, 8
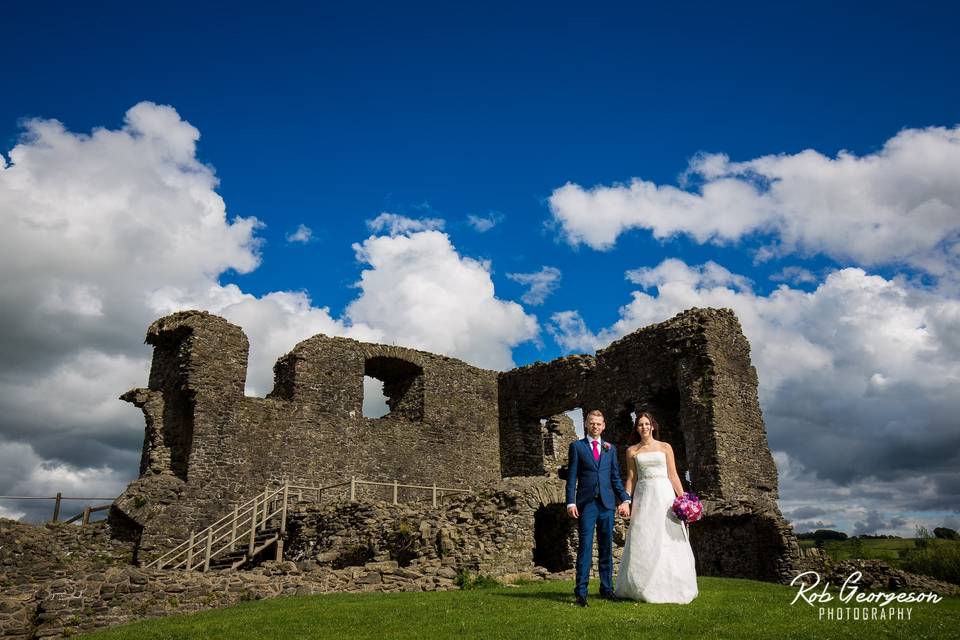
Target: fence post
353, 488
283, 522
283, 509
266, 506
206, 558
233, 527
394, 492
434, 494
190, 552
56, 508
253, 529
86, 515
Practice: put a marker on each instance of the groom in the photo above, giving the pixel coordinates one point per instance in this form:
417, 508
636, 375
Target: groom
592, 479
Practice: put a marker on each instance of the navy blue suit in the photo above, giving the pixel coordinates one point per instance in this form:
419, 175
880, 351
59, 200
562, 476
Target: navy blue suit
596, 488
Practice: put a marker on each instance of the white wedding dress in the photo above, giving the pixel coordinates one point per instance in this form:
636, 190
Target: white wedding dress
657, 563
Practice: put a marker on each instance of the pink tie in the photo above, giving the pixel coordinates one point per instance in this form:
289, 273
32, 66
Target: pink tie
596, 451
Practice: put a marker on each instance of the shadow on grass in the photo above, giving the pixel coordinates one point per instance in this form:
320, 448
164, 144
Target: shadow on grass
556, 596
559, 592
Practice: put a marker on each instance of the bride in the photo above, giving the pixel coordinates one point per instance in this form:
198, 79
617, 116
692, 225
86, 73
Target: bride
657, 563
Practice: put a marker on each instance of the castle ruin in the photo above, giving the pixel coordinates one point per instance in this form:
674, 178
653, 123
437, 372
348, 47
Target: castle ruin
207, 446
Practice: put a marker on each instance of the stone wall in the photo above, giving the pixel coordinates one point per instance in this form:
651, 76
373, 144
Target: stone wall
88, 600
529, 394
518, 527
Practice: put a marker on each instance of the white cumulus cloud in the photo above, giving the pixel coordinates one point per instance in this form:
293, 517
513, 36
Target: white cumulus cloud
421, 293
898, 205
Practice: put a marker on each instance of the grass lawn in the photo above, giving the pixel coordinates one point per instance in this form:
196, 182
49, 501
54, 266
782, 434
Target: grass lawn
725, 608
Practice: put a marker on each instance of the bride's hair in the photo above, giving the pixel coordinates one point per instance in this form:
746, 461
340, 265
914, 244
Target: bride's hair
655, 431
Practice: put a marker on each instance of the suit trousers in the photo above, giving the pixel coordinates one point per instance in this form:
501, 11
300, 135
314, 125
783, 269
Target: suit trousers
594, 516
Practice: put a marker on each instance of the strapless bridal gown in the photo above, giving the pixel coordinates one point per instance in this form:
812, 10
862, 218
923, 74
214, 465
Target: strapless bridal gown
657, 563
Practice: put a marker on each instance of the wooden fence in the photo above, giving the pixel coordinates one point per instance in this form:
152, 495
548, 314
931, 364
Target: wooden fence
83, 516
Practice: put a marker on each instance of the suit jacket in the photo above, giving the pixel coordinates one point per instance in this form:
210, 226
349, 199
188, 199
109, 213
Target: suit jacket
588, 478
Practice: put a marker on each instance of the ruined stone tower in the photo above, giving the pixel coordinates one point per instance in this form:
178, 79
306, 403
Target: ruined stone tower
208, 446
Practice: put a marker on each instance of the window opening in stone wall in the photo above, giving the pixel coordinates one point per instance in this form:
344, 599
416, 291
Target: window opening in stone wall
402, 390
556, 433
374, 399
546, 434
577, 416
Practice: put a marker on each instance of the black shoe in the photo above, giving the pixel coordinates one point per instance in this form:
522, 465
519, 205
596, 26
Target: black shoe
581, 601
608, 595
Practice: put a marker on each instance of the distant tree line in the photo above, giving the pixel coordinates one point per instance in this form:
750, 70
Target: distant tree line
821, 535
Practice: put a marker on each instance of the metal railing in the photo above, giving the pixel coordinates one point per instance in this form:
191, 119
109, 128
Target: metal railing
83, 516
240, 527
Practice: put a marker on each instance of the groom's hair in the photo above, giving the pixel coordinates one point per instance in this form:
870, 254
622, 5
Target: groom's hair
593, 412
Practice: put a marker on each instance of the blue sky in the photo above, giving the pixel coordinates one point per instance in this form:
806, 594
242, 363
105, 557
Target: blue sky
328, 116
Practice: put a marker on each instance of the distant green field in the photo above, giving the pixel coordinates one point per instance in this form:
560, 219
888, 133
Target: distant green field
876, 549
725, 608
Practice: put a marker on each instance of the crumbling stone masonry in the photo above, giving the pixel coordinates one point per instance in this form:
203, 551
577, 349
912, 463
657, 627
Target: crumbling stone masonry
208, 446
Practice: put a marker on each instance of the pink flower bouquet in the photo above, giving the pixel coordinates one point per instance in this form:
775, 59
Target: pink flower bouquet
688, 507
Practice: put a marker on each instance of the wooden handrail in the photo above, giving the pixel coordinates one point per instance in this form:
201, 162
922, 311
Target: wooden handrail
85, 514
246, 506
50, 498
247, 518
252, 505
56, 506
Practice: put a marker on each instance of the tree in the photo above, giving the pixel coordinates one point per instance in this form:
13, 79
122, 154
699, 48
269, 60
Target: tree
945, 533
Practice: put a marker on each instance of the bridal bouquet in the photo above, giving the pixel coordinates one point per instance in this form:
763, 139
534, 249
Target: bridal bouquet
688, 507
